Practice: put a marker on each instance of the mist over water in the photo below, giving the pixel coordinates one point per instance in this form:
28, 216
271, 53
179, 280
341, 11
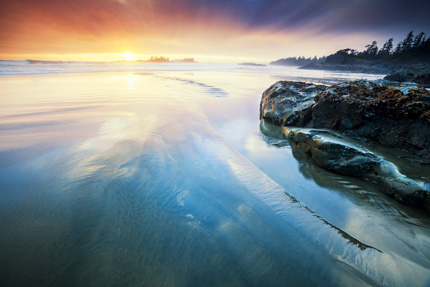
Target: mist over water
158, 175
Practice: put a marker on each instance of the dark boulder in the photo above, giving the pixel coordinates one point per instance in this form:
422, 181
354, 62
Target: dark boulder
402, 76
334, 152
378, 114
361, 110
289, 103
320, 121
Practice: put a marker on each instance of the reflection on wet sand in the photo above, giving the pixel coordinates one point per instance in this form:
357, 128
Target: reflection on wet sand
367, 209
148, 187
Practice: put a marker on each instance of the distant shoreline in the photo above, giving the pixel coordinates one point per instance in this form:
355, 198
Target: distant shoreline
348, 69
152, 60
252, 64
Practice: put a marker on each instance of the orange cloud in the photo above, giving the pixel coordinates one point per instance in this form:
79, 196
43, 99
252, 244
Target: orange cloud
96, 26
264, 30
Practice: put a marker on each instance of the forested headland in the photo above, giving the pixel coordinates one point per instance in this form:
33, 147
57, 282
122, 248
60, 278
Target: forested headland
411, 54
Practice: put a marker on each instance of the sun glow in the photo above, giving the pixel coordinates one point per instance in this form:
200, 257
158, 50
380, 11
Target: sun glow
127, 56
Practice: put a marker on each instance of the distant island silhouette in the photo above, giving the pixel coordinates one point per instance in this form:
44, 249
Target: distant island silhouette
153, 59
159, 59
251, 64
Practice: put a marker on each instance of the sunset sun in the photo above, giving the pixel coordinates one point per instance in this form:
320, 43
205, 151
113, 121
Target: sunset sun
127, 56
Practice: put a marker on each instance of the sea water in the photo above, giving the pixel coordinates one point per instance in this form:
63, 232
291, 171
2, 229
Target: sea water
116, 174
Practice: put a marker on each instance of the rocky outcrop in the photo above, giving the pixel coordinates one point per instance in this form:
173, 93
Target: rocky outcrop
288, 103
334, 153
331, 152
354, 68
346, 60
402, 76
360, 110
405, 76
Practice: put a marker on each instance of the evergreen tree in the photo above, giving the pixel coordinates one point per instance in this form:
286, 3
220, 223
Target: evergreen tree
372, 50
387, 48
398, 49
419, 39
408, 41
410, 48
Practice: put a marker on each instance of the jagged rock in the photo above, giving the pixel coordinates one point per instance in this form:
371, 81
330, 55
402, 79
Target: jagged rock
376, 113
361, 110
289, 103
335, 153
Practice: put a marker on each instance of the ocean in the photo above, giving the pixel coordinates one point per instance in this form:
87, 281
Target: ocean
149, 174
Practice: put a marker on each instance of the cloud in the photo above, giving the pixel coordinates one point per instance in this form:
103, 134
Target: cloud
109, 25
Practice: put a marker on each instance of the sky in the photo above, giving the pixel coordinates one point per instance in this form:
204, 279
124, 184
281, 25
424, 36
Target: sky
207, 30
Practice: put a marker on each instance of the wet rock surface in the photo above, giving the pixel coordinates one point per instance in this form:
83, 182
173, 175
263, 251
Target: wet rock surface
335, 153
320, 120
332, 152
289, 103
361, 110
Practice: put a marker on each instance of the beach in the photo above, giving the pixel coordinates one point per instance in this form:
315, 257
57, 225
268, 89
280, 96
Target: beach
158, 175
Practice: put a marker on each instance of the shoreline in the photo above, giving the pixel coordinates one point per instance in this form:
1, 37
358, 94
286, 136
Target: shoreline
346, 69
414, 67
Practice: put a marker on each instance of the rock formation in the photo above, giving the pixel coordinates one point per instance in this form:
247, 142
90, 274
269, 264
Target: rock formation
405, 76
401, 76
332, 152
362, 110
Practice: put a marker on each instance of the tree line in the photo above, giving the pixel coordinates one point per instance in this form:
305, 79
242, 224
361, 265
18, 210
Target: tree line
413, 46
298, 61
410, 48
